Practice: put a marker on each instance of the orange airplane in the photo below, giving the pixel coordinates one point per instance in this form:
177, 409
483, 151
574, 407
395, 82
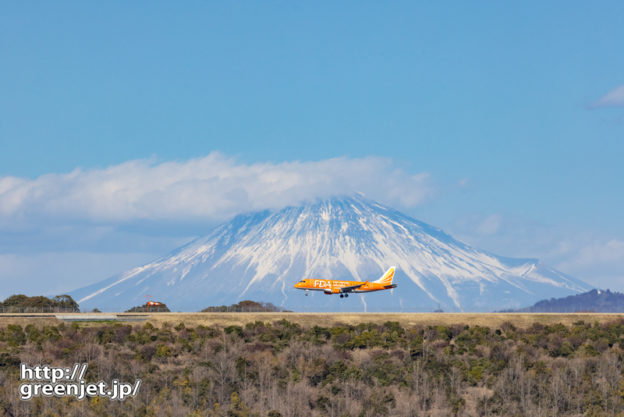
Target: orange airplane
331, 286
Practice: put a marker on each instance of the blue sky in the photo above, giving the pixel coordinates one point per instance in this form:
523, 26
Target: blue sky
509, 116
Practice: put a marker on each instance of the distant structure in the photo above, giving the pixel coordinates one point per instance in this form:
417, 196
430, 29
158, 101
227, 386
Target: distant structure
150, 307
154, 304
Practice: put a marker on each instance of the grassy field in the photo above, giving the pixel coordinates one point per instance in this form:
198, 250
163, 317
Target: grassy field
522, 320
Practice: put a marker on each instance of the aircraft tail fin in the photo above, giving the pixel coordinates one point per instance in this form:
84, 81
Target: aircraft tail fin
386, 278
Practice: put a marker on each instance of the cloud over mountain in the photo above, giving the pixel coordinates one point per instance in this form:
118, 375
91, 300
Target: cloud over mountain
213, 187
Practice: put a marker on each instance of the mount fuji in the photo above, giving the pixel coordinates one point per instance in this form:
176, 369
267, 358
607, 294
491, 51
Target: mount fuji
260, 256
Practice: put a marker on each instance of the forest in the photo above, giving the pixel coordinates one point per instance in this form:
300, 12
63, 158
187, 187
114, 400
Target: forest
245, 306
20, 303
285, 369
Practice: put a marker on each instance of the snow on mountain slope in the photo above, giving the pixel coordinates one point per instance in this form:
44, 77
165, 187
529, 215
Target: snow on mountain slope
260, 256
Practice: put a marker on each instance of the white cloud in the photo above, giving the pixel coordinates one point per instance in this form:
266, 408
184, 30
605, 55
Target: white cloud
596, 258
614, 98
598, 254
463, 182
214, 187
490, 225
600, 262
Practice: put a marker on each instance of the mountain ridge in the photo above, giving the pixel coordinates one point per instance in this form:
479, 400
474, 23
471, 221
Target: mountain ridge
595, 301
260, 255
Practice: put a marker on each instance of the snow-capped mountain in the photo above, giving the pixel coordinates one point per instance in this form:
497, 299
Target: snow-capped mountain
260, 256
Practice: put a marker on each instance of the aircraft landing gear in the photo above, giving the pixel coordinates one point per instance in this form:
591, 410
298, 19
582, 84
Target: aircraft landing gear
307, 293
341, 295
346, 295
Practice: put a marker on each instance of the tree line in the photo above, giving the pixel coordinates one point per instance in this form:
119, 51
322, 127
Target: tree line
245, 306
21, 303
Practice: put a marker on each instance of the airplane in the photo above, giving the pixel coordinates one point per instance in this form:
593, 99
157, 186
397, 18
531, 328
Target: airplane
331, 286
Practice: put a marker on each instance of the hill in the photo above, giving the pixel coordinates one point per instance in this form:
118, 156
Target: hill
261, 255
597, 301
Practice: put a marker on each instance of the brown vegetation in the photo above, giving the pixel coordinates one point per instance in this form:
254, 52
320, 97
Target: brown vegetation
368, 369
522, 320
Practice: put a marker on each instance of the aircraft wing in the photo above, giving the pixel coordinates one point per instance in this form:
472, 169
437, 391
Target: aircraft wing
351, 288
